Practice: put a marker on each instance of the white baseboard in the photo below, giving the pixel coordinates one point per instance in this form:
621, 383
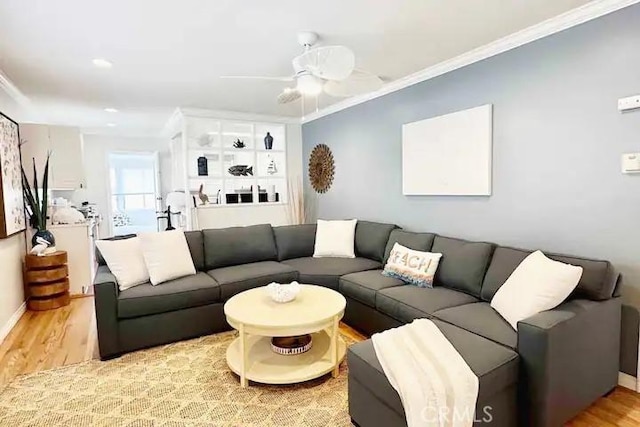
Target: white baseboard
4, 331
628, 381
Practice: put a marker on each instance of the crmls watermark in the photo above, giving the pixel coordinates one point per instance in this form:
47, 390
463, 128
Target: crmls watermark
437, 415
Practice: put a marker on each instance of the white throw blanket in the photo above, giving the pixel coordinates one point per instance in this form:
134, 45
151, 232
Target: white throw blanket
436, 386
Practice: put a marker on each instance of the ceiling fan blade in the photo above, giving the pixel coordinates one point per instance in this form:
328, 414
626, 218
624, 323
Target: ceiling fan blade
327, 62
275, 79
357, 83
289, 95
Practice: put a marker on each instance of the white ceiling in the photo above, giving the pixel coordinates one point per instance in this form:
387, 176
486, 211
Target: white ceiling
169, 53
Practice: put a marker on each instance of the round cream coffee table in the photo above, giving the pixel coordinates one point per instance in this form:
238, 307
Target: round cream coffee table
316, 311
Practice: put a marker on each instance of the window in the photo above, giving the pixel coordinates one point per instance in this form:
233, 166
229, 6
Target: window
133, 192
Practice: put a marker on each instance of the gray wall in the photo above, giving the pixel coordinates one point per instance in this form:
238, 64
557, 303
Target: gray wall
558, 138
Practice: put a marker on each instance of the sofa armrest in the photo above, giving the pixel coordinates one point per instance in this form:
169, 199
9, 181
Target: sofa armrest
569, 357
106, 292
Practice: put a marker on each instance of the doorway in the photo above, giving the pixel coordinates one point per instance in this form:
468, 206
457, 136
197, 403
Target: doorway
134, 192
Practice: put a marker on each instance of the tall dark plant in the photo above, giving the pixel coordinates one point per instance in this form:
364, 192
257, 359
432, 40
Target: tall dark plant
37, 207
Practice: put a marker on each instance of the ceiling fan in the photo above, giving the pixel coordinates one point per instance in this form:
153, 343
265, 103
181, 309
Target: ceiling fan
328, 69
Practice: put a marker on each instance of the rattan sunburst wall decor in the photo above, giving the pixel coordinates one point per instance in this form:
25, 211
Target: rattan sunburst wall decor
321, 168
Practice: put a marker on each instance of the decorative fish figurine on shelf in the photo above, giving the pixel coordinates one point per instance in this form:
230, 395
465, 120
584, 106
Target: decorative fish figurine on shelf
239, 144
241, 170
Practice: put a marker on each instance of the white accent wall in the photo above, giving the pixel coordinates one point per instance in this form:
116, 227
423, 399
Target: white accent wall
11, 287
11, 253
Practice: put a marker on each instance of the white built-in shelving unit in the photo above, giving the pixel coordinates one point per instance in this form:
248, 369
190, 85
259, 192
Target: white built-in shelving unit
213, 139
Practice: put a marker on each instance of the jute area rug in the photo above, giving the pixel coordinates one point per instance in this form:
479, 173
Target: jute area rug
181, 384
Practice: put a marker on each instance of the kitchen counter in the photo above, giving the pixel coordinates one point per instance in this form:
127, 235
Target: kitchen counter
82, 224
79, 241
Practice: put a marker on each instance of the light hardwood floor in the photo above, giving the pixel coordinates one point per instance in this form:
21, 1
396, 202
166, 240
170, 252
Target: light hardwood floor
49, 339
45, 340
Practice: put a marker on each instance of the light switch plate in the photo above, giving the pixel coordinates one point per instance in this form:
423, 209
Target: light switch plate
629, 103
631, 163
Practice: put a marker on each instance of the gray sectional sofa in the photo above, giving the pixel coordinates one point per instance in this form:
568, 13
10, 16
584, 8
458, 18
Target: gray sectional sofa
551, 368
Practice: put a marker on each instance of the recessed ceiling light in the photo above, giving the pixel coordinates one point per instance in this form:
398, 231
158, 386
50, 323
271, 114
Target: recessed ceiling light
111, 110
111, 125
102, 63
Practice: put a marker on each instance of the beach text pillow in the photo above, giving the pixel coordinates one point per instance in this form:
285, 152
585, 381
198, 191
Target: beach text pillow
415, 267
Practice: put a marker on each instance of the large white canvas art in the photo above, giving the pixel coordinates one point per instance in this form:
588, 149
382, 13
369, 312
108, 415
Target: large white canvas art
448, 155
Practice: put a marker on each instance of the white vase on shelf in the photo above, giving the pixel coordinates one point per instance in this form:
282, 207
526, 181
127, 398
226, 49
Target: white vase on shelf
271, 193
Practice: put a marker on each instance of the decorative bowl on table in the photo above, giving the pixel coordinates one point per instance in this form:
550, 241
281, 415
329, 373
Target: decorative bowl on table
290, 346
283, 292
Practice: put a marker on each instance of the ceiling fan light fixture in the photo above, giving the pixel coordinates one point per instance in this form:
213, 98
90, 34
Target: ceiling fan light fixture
101, 63
309, 85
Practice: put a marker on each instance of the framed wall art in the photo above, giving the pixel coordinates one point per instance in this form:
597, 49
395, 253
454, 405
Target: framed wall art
12, 218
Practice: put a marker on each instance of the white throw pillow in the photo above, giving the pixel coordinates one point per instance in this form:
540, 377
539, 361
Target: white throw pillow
167, 255
124, 259
335, 239
415, 267
536, 285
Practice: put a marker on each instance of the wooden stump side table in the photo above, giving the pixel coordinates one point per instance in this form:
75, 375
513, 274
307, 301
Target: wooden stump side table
47, 279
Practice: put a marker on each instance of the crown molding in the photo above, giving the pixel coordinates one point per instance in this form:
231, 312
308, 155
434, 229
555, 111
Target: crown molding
173, 125
577, 16
237, 115
12, 90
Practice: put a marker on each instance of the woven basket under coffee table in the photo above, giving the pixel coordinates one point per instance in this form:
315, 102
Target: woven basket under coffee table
316, 311
47, 281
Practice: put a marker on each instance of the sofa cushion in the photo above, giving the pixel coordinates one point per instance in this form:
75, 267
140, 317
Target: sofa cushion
166, 255
495, 366
414, 267
239, 245
597, 282
364, 285
335, 238
372, 238
327, 271
406, 303
295, 241
185, 292
126, 261
481, 319
463, 264
416, 241
99, 258
238, 278
195, 241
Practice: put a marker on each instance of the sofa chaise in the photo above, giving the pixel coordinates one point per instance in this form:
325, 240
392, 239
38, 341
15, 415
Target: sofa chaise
555, 365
